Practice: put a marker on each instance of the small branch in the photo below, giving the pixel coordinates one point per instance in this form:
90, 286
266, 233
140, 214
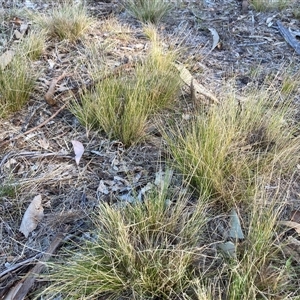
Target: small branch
19, 265
25, 126
32, 154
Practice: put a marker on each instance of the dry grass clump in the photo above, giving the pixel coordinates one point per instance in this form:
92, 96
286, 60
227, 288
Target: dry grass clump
150, 250
259, 271
17, 79
33, 45
147, 11
224, 149
296, 13
16, 83
290, 83
143, 250
68, 21
122, 105
263, 5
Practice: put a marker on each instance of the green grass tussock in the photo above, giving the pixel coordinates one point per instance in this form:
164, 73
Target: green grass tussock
263, 5
258, 271
147, 11
142, 250
123, 105
224, 150
16, 83
67, 21
34, 44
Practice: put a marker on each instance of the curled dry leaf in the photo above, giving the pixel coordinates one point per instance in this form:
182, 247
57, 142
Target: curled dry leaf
78, 150
291, 224
6, 58
196, 87
32, 216
49, 96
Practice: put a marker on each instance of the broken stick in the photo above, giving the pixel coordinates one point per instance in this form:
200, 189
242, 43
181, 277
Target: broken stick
34, 128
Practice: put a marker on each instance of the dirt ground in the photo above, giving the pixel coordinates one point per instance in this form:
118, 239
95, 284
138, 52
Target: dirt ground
41, 162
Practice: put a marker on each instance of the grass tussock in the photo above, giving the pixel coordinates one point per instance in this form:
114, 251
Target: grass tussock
258, 272
33, 45
143, 250
122, 105
296, 13
263, 5
150, 250
290, 83
16, 84
68, 21
223, 150
147, 11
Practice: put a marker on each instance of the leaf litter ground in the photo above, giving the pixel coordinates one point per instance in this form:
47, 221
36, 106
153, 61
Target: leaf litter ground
42, 161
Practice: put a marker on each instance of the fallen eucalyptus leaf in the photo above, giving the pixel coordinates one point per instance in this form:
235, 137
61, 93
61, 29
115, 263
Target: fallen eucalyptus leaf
32, 216
24, 27
159, 177
6, 58
78, 150
295, 216
291, 224
51, 63
228, 248
13, 291
216, 38
195, 86
290, 39
127, 198
149, 186
102, 188
235, 226
18, 34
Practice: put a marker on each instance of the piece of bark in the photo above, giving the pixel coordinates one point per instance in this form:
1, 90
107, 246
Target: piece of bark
292, 41
27, 282
19, 265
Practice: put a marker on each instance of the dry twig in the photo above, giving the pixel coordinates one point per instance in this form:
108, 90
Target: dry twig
34, 128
